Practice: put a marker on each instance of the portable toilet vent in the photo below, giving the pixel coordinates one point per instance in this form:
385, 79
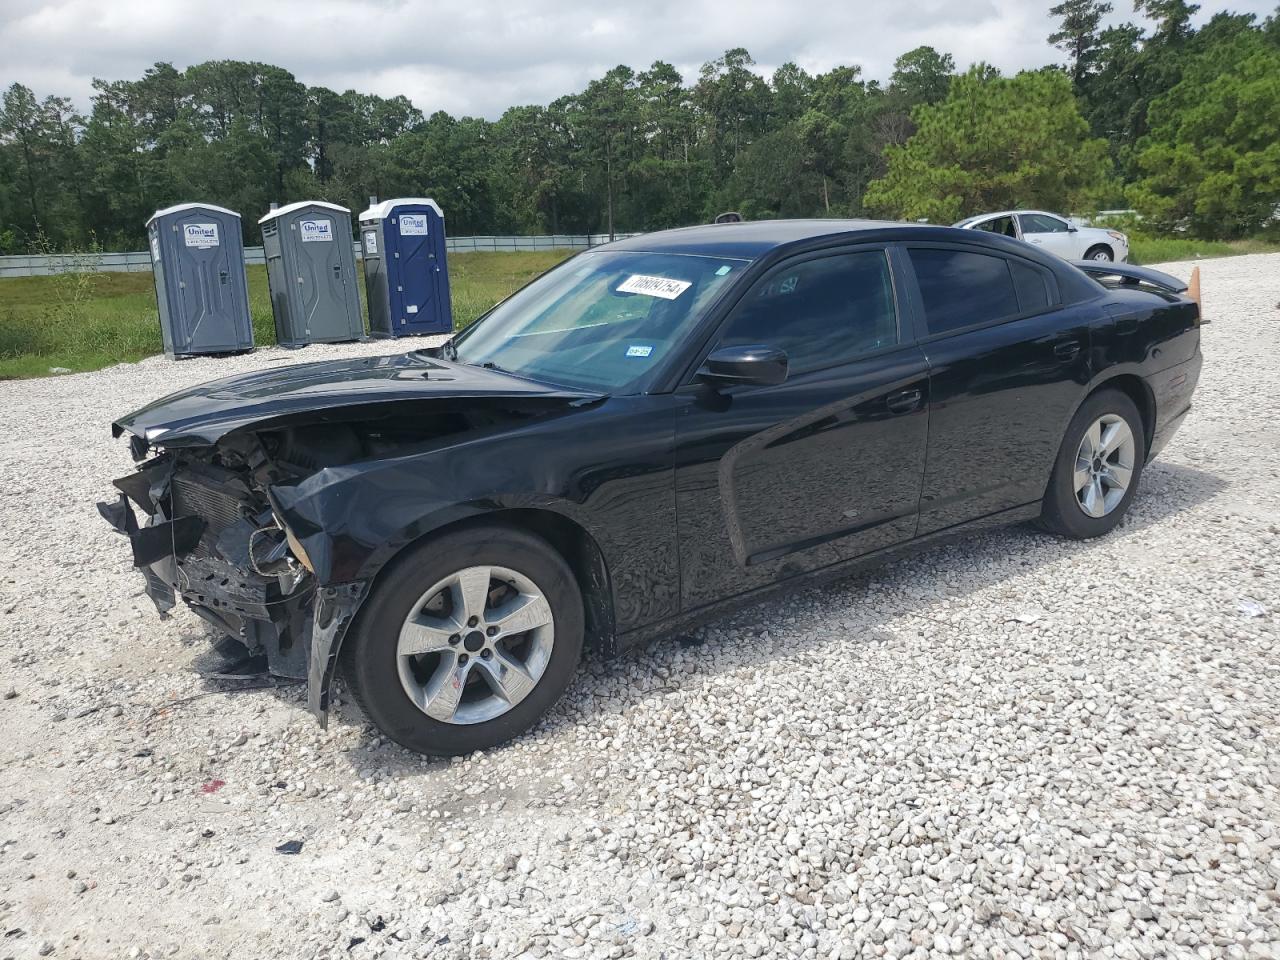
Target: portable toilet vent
197, 258
406, 277
311, 271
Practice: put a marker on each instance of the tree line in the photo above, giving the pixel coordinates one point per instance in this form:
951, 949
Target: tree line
1181, 123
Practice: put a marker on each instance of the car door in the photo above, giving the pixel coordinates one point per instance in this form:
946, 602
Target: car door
1008, 366
773, 481
1049, 233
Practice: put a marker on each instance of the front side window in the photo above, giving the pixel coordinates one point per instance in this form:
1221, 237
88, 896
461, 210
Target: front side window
1041, 223
602, 321
821, 312
961, 289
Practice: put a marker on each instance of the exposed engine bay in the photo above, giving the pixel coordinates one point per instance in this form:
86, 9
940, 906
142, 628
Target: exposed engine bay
207, 522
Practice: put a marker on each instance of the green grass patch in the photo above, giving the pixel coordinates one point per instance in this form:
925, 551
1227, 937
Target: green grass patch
90, 321
1168, 249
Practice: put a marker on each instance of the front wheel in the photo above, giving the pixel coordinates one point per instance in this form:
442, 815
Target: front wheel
1098, 468
467, 641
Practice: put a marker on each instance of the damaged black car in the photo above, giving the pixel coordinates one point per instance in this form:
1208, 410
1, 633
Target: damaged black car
648, 435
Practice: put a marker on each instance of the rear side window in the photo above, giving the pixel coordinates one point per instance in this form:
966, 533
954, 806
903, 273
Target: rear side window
821, 312
1032, 285
961, 289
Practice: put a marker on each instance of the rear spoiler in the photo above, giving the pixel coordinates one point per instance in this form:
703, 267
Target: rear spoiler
1130, 274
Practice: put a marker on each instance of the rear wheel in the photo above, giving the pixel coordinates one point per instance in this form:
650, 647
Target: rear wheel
1098, 467
467, 641
1100, 252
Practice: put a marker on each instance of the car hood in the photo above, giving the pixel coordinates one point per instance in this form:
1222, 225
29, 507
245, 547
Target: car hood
204, 414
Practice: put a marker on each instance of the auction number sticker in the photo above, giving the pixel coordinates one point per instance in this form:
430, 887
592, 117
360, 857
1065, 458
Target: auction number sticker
202, 236
316, 231
413, 224
663, 287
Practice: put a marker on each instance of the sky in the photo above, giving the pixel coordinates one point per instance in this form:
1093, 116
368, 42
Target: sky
477, 57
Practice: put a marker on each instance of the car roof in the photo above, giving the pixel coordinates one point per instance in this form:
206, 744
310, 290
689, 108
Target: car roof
1007, 213
747, 240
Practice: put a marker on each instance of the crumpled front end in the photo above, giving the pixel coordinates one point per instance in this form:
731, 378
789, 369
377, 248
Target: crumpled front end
205, 532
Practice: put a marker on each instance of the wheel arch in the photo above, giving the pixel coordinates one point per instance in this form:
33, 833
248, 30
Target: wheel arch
567, 537
1140, 393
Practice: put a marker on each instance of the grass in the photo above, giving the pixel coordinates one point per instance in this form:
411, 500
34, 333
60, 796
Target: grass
88, 321
1168, 249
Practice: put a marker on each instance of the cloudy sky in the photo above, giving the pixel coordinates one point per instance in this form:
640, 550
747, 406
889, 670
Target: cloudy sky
480, 56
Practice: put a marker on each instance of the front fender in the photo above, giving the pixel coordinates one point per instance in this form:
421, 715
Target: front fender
351, 520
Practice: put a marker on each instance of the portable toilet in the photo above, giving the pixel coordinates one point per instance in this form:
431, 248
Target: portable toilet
197, 258
406, 278
311, 271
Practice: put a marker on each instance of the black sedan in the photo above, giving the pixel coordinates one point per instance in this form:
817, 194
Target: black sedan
647, 434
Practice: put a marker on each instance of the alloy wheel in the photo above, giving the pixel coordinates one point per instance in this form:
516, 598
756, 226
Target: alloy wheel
475, 644
1104, 465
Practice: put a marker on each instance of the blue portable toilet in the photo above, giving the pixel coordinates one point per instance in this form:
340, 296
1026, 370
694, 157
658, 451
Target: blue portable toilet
406, 276
197, 258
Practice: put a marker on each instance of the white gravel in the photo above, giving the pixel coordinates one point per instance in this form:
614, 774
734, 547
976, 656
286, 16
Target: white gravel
1013, 746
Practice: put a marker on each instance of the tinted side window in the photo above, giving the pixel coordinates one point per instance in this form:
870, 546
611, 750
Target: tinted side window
1032, 285
821, 312
961, 289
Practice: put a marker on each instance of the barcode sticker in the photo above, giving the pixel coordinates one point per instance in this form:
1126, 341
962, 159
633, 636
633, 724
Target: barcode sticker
663, 287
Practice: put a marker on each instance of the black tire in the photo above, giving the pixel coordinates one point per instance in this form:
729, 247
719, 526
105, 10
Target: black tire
370, 653
1107, 253
1062, 512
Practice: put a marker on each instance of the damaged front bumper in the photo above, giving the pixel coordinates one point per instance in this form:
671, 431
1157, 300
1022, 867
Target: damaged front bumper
208, 538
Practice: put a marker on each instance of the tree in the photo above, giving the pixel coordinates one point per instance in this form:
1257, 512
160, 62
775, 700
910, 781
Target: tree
922, 75
39, 137
1172, 17
994, 142
1077, 34
1211, 161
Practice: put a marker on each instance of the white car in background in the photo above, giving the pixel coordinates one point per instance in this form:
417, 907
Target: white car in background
1054, 233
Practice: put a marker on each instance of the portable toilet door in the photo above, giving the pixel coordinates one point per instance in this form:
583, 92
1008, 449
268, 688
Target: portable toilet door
202, 292
406, 269
311, 271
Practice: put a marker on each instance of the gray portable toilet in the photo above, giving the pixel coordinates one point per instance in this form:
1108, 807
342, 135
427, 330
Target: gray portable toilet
311, 270
197, 258
406, 276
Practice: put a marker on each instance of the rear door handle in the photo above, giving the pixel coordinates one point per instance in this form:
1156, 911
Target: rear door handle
904, 401
1067, 349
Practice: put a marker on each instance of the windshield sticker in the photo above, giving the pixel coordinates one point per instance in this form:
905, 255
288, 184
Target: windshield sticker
636, 350
663, 287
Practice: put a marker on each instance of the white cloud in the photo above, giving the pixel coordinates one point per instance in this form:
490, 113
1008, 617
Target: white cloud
480, 56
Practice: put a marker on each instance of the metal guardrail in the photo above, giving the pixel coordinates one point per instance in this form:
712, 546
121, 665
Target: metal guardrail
44, 265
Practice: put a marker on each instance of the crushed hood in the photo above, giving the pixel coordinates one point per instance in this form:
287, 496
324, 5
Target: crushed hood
204, 414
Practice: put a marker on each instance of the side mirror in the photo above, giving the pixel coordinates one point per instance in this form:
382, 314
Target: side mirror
757, 364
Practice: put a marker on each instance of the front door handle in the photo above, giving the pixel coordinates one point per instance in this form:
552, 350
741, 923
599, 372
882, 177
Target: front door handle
1067, 349
904, 401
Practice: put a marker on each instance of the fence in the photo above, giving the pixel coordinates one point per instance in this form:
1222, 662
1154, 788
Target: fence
43, 265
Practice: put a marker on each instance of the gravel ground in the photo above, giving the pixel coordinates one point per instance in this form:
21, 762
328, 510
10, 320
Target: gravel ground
1013, 746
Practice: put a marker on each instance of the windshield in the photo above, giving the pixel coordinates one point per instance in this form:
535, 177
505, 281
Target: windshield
602, 321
